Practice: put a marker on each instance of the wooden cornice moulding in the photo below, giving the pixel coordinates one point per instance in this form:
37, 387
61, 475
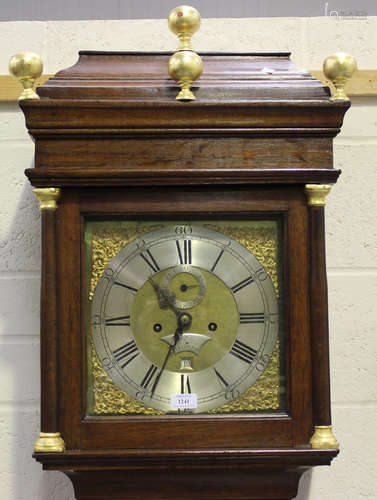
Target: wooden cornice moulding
363, 84
65, 117
119, 109
70, 177
122, 459
143, 77
228, 77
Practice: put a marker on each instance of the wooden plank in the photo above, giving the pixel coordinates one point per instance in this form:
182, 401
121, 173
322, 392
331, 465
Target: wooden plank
364, 83
10, 88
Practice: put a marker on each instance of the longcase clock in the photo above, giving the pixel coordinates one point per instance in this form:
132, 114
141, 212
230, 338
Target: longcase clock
184, 305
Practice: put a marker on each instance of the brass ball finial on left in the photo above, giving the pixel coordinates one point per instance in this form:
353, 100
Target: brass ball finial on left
339, 68
185, 66
26, 67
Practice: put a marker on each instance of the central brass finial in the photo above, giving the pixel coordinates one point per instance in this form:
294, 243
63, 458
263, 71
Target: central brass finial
184, 21
185, 66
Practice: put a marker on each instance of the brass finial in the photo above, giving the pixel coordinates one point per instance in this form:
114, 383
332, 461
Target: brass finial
185, 66
26, 67
339, 68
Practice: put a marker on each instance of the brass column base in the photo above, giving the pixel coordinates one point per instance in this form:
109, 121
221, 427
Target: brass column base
323, 438
49, 442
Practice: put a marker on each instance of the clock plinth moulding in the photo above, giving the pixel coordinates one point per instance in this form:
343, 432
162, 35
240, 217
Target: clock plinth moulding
249, 163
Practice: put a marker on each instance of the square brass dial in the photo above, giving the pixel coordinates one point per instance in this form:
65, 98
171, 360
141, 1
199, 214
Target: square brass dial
105, 239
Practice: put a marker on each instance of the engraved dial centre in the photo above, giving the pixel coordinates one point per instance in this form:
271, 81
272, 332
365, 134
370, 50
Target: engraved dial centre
209, 301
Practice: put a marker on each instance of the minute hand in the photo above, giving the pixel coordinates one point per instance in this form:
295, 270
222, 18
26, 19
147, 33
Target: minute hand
177, 336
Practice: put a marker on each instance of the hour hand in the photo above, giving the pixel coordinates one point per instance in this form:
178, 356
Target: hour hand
165, 297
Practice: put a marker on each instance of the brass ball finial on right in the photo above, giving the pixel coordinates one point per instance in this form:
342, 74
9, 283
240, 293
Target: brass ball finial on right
339, 68
185, 66
26, 67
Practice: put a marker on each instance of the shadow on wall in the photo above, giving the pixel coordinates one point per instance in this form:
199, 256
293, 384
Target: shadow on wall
304, 486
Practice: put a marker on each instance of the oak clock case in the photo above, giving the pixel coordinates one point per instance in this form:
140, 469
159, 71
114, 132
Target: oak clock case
183, 319
184, 332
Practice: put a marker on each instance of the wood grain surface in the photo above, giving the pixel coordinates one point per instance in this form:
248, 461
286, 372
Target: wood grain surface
319, 318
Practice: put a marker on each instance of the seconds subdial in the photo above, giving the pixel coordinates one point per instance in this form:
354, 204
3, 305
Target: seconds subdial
184, 286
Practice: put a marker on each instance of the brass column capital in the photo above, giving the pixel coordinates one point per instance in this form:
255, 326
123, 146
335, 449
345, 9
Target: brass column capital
323, 438
316, 194
49, 442
47, 197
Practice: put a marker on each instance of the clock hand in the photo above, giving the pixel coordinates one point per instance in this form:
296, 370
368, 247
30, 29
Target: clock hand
161, 296
171, 347
186, 287
184, 321
200, 284
165, 298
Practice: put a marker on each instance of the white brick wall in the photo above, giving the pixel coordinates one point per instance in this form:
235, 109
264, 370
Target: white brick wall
351, 241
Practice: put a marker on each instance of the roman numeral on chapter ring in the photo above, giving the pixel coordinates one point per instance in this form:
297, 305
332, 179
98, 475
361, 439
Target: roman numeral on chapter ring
250, 318
150, 260
119, 321
126, 353
185, 383
221, 378
217, 260
242, 284
126, 286
184, 251
148, 376
243, 352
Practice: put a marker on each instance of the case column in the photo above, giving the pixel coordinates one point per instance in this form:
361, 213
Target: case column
49, 439
323, 436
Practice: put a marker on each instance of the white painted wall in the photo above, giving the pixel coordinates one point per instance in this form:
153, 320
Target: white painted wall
351, 241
